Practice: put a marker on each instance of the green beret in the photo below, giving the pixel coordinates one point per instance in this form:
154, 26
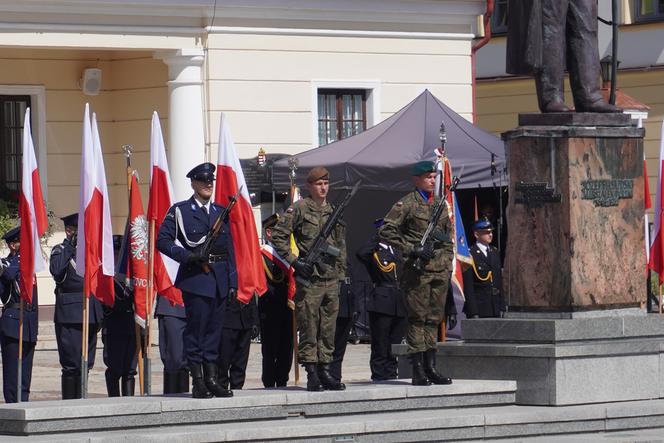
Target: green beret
423, 167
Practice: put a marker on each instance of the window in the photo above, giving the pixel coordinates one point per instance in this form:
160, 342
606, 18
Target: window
12, 112
341, 114
649, 10
499, 18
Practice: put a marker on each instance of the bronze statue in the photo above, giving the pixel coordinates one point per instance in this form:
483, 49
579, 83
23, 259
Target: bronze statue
545, 35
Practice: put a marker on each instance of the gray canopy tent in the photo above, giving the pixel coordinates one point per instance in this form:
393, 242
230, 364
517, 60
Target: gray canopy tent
382, 155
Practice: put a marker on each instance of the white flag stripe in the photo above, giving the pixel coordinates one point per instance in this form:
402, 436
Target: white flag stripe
29, 166
228, 156
108, 260
658, 199
86, 189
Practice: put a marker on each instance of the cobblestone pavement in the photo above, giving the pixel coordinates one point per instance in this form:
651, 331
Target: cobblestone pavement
46, 371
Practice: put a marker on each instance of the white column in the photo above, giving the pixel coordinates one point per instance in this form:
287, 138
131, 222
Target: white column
186, 147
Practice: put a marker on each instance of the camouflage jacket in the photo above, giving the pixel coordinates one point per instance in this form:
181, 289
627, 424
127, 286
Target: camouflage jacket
305, 219
405, 225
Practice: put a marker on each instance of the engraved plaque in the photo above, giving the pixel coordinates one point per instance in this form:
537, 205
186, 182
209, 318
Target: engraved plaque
606, 193
535, 194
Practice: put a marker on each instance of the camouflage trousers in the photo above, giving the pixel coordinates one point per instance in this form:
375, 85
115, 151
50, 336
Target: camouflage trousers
425, 295
316, 309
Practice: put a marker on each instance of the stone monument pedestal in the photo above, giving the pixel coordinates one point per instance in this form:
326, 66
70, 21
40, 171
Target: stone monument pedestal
574, 273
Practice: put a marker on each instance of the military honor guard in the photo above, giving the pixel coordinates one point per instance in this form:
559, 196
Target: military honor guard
482, 282
427, 269
172, 321
9, 323
387, 312
119, 336
240, 326
317, 304
206, 278
68, 317
275, 315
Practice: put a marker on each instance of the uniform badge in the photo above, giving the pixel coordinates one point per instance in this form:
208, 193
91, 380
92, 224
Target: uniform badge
193, 207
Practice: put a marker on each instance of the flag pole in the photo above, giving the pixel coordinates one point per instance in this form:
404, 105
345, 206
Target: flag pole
127, 149
660, 299
148, 308
296, 368
19, 370
292, 166
84, 346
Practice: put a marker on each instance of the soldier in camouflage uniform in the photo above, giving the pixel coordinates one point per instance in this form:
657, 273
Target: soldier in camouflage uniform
426, 289
316, 305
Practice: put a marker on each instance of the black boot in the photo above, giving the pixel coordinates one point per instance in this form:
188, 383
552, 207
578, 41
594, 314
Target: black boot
222, 376
183, 380
210, 371
69, 387
171, 382
198, 390
77, 387
313, 382
430, 369
327, 380
128, 384
419, 377
112, 386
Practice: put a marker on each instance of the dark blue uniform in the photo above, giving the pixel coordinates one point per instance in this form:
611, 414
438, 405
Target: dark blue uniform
345, 319
240, 323
172, 322
276, 320
9, 332
387, 312
482, 284
180, 236
119, 337
67, 318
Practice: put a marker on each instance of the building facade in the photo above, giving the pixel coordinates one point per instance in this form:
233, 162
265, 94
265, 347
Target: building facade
288, 77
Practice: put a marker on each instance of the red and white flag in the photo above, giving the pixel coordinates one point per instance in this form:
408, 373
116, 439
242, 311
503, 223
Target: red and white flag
137, 254
95, 232
249, 264
32, 212
656, 262
161, 199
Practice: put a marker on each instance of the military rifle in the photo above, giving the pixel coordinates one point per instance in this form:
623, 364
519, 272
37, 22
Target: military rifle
321, 247
432, 234
215, 231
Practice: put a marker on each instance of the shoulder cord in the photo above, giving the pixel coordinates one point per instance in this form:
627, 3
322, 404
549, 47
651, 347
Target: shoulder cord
489, 275
392, 267
179, 223
270, 276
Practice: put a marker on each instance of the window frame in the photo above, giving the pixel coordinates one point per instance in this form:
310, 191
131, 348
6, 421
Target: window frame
17, 128
648, 18
499, 30
37, 95
372, 94
339, 94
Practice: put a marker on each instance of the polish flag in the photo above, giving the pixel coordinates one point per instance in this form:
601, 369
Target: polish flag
656, 262
95, 232
161, 199
248, 261
136, 237
32, 212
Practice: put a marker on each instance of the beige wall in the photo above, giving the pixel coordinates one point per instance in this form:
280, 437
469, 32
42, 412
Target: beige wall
263, 83
133, 85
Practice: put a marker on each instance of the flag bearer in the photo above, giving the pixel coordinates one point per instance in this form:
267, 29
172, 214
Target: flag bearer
68, 315
206, 280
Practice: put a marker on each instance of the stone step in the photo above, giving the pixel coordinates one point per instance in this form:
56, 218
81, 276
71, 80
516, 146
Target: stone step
597, 422
258, 405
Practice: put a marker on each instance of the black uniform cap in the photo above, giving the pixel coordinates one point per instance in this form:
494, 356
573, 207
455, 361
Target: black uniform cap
270, 221
117, 241
12, 235
482, 225
203, 172
70, 220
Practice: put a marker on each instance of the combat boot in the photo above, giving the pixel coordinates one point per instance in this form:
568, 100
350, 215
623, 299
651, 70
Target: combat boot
183, 381
430, 369
68, 387
198, 390
210, 371
313, 382
171, 382
112, 386
328, 381
419, 377
222, 376
128, 386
